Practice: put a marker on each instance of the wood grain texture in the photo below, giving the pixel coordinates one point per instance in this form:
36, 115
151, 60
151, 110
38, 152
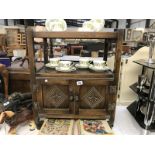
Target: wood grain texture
5, 75
94, 98
76, 35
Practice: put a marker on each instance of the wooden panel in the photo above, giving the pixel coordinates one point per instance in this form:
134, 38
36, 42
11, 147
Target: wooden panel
19, 75
77, 74
56, 111
22, 86
93, 112
55, 96
104, 115
92, 97
118, 55
19, 81
56, 81
73, 35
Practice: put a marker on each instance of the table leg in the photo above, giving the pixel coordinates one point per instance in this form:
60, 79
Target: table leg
5, 75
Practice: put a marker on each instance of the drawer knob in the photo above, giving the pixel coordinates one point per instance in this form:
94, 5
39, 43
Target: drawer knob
46, 80
71, 98
76, 98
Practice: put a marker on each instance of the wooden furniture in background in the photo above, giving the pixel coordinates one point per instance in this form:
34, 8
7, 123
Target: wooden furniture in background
19, 80
21, 39
15, 40
74, 48
12, 34
5, 75
76, 95
3, 43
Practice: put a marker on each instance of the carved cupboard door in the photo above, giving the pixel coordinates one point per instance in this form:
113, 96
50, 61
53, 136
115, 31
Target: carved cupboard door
93, 95
54, 97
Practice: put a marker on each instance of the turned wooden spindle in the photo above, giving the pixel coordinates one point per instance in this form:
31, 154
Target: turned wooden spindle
5, 75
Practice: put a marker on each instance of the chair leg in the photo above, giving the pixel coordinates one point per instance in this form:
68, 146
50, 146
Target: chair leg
5, 75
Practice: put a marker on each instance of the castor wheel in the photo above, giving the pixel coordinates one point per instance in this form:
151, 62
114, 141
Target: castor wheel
38, 123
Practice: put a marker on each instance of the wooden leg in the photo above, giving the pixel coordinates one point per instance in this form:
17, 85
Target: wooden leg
5, 76
38, 123
12, 131
2, 117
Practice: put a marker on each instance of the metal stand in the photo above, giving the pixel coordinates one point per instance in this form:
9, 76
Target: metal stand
148, 119
151, 41
143, 110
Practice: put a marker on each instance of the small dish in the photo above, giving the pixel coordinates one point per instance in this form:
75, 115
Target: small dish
92, 67
49, 65
81, 66
60, 69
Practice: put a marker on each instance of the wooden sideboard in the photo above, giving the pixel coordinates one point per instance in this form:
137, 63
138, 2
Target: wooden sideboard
82, 94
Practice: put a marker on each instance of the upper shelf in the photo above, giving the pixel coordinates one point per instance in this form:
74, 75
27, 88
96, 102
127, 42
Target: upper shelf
76, 35
78, 74
145, 63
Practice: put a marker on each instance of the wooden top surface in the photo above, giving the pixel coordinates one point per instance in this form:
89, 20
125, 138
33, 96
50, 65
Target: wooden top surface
78, 74
75, 35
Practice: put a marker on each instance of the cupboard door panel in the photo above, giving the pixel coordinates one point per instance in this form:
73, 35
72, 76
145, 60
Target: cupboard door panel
56, 96
92, 97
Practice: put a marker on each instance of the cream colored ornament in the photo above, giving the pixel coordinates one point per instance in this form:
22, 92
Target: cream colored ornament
98, 24
93, 25
56, 25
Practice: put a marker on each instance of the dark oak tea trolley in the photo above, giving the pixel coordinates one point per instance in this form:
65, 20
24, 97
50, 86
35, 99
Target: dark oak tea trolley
81, 94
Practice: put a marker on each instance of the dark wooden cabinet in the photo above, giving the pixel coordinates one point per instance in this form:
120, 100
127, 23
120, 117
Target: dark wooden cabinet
73, 98
82, 94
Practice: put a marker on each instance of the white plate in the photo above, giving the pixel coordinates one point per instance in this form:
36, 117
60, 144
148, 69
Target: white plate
56, 25
64, 70
49, 65
81, 67
105, 68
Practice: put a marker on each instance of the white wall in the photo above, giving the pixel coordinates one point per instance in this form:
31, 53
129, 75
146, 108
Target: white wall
152, 21
10, 22
122, 23
138, 23
1, 21
135, 23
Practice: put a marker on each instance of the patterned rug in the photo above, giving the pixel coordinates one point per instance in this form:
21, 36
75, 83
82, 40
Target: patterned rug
57, 127
68, 127
94, 127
